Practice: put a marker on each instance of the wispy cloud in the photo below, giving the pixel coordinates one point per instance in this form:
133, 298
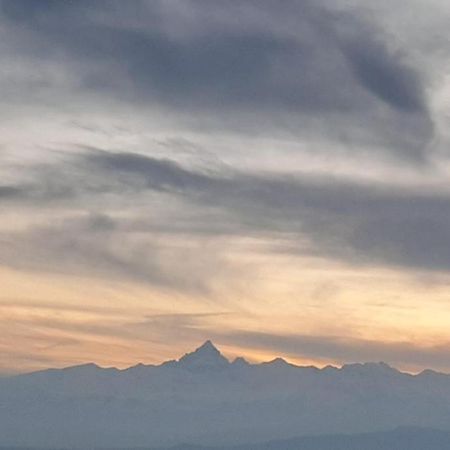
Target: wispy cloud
211, 149
302, 67
358, 223
345, 349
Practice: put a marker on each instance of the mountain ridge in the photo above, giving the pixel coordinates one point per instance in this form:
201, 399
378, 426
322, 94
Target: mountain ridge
206, 400
209, 351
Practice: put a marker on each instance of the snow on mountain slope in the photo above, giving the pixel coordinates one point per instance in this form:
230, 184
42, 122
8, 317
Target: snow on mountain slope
204, 399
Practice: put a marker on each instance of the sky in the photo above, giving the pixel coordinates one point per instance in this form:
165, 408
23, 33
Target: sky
273, 176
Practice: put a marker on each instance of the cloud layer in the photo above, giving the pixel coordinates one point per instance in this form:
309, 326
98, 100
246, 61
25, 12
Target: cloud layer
300, 67
230, 153
355, 222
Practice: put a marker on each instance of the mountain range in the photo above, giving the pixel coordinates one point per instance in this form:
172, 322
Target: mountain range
204, 400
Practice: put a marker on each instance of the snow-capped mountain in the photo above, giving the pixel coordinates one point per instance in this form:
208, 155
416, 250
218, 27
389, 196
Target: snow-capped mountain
204, 399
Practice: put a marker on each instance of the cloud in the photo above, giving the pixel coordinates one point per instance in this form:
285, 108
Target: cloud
158, 174
10, 192
340, 219
344, 349
166, 113
302, 67
98, 246
167, 330
384, 72
344, 219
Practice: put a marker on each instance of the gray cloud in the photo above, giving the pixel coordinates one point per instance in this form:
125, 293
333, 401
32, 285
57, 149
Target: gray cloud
211, 83
384, 72
347, 220
10, 192
341, 219
301, 67
158, 174
97, 246
344, 349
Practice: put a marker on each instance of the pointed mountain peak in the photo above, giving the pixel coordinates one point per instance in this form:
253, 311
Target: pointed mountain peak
205, 356
207, 346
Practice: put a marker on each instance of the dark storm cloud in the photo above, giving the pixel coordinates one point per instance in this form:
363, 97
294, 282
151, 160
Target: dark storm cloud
298, 62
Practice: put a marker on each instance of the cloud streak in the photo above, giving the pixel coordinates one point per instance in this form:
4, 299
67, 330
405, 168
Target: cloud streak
355, 222
345, 349
227, 151
302, 67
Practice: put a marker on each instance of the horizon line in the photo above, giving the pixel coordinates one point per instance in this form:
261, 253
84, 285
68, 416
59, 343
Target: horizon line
209, 343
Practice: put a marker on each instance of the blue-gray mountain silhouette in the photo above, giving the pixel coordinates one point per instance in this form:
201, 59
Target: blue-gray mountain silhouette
203, 399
